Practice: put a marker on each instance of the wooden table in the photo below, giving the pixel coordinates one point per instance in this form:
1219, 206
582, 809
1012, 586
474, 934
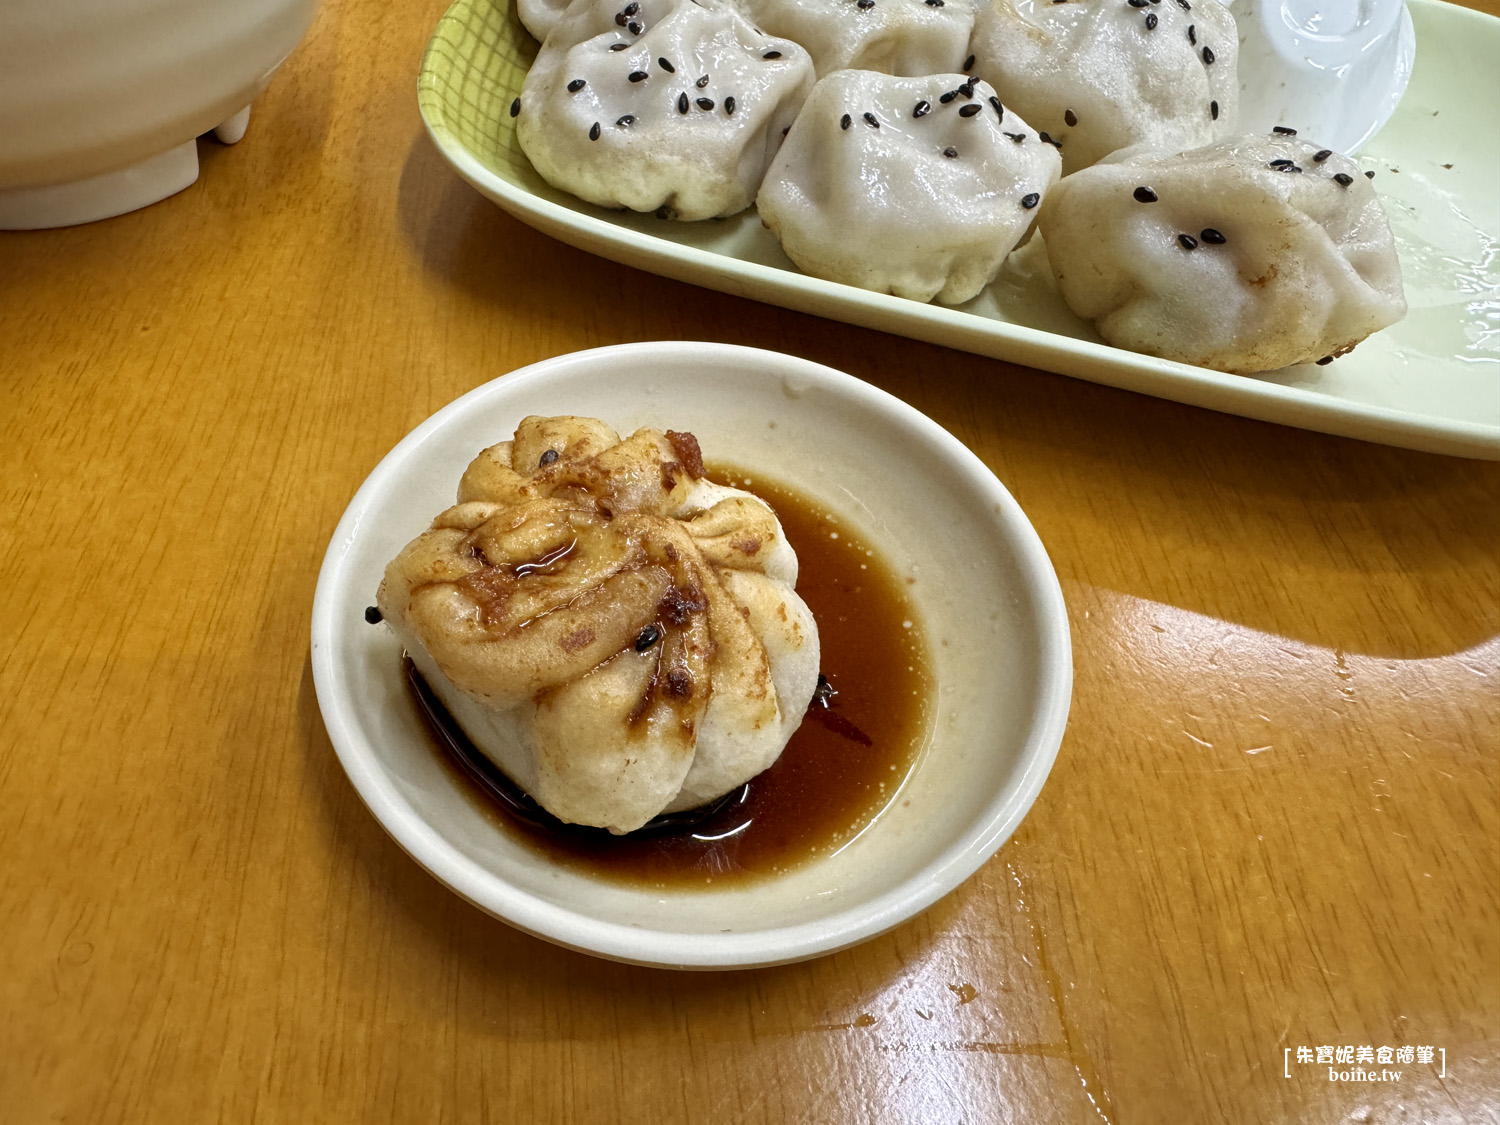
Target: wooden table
1273, 823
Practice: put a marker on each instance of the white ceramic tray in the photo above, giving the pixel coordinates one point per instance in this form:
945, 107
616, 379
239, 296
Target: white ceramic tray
1431, 382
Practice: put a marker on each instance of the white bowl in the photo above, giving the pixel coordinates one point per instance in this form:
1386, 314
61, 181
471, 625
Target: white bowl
994, 614
100, 100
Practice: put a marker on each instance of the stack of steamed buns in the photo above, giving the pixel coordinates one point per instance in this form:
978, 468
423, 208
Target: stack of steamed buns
908, 146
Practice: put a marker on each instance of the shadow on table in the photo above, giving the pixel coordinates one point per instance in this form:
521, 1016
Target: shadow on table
1331, 541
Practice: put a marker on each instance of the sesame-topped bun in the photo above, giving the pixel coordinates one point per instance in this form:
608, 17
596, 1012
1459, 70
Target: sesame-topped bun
618, 634
1244, 256
914, 186
908, 37
1101, 75
671, 106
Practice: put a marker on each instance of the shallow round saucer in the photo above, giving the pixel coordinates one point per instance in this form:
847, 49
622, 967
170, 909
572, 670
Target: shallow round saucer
988, 597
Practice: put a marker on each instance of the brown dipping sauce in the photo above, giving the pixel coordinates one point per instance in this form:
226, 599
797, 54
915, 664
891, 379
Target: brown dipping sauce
846, 762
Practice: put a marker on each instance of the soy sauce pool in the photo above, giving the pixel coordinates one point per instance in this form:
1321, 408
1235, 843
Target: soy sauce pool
845, 764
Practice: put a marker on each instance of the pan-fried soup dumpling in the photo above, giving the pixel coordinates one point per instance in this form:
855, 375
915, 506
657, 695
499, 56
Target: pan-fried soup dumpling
671, 106
907, 37
914, 186
1244, 256
618, 634
1100, 76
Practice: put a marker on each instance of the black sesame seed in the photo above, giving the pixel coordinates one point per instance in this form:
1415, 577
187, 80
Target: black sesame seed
576, 85
1184, 5
1283, 130
618, 46
1343, 179
702, 82
1281, 162
845, 121
1046, 139
1137, 3
1325, 361
1193, 34
968, 64
634, 27
515, 107
950, 152
921, 109
705, 103
729, 105
1017, 137
1187, 242
1070, 118
948, 97
999, 109
1369, 175
647, 637
665, 65
1208, 56
969, 110
682, 103
967, 89
620, 19
551, 455
1322, 155
1143, 194
1212, 237
934, 3
632, 8
1213, 110
372, 615
771, 55
1030, 200
594, 131
864, 5
1151, 21
871, 121
1290, 168
637, 76
622, 122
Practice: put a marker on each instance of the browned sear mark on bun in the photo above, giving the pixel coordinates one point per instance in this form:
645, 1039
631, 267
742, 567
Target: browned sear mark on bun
1265, 278
746, 546
677, 604
577, 639
490, 588
679, 683
686, 448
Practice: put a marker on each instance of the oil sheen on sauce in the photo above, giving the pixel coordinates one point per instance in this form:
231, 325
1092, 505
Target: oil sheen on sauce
845, 764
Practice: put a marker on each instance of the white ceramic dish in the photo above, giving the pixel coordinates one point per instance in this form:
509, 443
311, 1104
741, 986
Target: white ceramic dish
1431, 382
100, 100
996, 623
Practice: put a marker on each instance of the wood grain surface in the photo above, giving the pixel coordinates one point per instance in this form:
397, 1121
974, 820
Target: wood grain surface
1273, 823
